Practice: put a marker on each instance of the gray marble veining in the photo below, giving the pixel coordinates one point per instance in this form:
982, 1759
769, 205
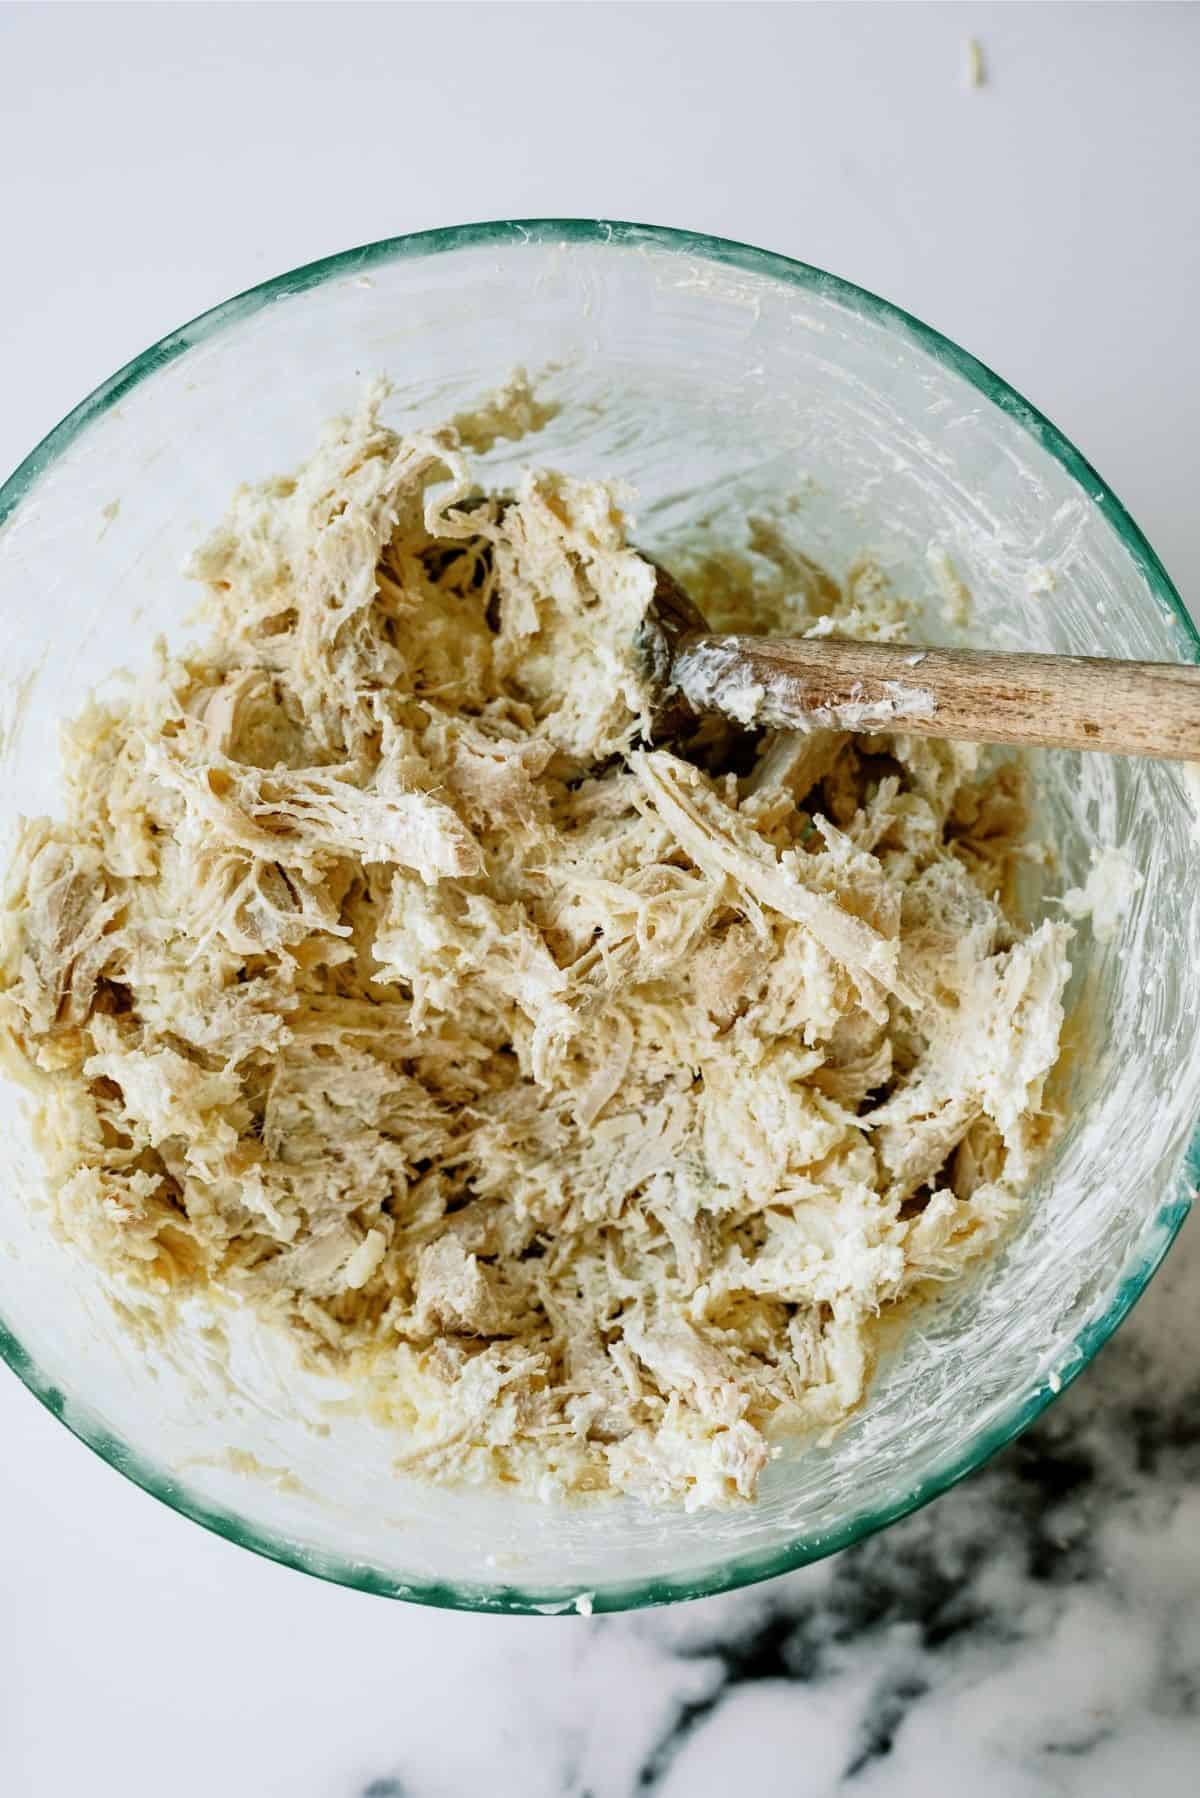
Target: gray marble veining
1033, 1633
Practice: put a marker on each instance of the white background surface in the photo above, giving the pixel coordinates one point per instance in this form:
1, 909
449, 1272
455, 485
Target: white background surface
155, 159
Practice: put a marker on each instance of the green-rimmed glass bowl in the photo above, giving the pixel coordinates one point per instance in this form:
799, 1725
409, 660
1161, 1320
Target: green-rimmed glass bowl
716, 379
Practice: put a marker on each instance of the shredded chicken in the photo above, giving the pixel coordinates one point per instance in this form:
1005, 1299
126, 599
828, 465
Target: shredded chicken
587, 1102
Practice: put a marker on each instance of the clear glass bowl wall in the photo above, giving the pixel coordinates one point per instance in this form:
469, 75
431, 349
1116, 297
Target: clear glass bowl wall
712, 378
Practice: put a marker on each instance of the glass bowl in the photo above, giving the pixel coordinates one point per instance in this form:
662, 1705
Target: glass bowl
713, 378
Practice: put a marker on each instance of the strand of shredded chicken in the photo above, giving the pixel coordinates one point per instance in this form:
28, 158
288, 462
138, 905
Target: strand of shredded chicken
592, 1109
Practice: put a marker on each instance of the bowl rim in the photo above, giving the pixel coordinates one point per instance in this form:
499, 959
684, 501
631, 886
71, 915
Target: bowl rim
736, 1570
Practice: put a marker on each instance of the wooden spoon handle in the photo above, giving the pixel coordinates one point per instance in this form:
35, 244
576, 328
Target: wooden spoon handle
974, 695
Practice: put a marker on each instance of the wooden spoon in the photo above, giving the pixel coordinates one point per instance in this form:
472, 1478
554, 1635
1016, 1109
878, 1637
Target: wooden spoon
972, 695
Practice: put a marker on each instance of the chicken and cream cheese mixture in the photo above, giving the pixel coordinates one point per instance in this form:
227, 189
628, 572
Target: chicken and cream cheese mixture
592, 1105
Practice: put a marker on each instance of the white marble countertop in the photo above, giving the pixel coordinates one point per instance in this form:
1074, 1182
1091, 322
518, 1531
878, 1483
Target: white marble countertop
1037, 1630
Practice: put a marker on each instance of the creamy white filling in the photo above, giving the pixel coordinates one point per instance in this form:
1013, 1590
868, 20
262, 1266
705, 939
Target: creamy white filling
591, 1111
